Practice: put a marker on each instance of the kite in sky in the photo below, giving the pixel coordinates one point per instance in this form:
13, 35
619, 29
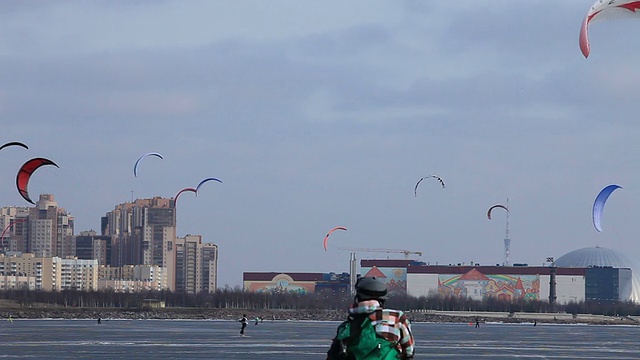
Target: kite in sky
415, 189
496, 206
605, 9
14, 143
329, 233
25, 172
135, 167
598, 204
175, 199
204, 181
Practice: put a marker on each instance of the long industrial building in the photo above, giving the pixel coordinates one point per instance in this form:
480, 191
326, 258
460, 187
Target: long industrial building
509, 283
302, 283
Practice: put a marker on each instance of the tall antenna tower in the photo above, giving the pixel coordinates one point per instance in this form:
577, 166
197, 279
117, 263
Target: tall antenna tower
353, 269
507, 240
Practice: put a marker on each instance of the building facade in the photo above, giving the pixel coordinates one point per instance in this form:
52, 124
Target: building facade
208, 260
143, 232
196, 265
507, 283
90, 246
137, 247
13, 228
50, 229
77, 274
392, 271
133, 278
15, 282
605, 283
302, 283
45, 270
45, 230
595, 257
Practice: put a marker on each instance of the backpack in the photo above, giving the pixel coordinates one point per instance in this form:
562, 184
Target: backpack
356, 339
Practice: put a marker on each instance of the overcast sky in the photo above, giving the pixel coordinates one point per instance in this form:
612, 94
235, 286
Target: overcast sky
317, 114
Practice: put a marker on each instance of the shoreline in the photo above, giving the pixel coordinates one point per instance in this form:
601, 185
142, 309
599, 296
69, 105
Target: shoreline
419, 316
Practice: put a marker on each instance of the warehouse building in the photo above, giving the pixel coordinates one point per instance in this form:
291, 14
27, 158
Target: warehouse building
303, 283
509, 283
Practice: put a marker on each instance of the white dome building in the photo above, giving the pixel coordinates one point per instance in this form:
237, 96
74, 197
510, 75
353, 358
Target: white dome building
598, 256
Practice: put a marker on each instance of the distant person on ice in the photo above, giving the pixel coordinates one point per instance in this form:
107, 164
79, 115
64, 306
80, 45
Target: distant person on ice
372, 331
244, 321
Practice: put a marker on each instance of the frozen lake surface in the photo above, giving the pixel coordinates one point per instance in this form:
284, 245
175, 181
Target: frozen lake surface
201, 339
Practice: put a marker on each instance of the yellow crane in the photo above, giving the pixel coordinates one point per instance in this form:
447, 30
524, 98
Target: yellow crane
388, 251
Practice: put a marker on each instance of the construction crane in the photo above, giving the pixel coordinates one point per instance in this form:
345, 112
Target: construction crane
388, 251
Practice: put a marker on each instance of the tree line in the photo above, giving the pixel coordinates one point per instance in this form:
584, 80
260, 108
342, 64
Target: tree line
237, 298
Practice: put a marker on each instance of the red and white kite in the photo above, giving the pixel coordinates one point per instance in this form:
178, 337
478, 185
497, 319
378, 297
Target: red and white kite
605, 9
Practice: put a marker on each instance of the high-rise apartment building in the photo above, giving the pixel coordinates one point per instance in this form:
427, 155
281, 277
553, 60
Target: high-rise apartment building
89, 246
139, 236
196, 265
13, 228
143, 233
50, 229
208, 268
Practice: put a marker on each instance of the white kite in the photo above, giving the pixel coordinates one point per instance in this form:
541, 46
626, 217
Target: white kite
605, 9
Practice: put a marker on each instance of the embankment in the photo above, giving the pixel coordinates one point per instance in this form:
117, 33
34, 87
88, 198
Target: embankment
321, 315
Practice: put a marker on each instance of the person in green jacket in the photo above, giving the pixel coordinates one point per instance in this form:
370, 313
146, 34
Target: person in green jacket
392, 328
